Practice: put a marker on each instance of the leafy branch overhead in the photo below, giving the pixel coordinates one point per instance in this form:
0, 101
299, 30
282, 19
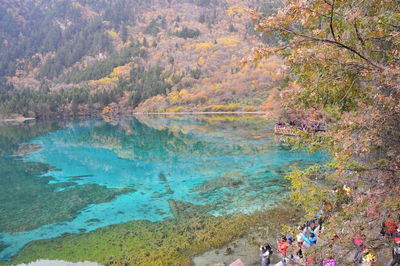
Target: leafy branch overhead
362, 28
343, 61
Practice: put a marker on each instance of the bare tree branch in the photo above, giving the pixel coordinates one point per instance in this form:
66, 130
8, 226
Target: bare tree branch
358, 34
336, 43
331, 20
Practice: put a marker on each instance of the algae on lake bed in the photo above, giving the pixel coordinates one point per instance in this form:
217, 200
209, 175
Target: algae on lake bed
169, 242
28, 199
33, 202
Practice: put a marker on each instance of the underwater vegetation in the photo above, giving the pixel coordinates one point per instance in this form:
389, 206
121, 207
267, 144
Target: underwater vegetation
29, 201
169, 242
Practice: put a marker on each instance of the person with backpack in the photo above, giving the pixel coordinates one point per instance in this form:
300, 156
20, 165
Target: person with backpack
265, 254
309, 241
313, 238
395, 255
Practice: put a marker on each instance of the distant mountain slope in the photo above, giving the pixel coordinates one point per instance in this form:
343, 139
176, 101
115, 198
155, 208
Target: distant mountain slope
71, 58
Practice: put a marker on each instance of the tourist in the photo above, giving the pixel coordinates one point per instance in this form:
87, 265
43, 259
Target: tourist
290, 239
368, 257
310, 260
300, 241
396, 255
390, 226
314, 126
347, 190
396, 236
336, 190
308, 241
358, 240
265, 254
283, 246
320, 222
327, 206
320, 217
329, 262
383, 229
313, 238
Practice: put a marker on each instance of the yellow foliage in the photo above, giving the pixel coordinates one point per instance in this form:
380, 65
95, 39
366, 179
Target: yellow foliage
222, 108
200, 47
175, 109
76, 5
106, 110
228, 41
174, 97
236, 10
218, 89
158, 98
201, 61
250, 109
121, 71
114, 35
184, 94
199, 97
104, 81
223, 118
268, 104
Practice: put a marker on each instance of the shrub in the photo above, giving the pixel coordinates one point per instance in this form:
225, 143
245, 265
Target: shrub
175, 109
222, 108
249, 109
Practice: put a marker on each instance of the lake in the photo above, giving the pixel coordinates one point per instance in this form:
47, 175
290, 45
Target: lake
60, 178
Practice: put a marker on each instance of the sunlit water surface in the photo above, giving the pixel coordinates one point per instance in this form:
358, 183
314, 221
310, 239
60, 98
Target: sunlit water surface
75, 177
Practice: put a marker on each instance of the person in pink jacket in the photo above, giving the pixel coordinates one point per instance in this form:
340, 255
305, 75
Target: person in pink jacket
329, 262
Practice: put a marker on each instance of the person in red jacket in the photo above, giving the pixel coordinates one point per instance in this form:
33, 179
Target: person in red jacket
396, 236
283, 246
389, 227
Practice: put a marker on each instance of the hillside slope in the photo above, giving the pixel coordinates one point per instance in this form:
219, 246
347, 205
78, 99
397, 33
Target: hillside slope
63, 59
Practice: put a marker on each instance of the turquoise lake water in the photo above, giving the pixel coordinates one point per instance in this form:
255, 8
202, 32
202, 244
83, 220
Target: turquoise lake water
75, 177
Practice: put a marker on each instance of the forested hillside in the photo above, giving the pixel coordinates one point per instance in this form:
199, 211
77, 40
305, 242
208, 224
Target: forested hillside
85, 57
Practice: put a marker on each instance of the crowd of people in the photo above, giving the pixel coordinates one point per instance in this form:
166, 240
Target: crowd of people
291, 247
302, 125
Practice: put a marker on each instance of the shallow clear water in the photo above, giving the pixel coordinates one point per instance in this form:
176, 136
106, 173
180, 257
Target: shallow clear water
79, 176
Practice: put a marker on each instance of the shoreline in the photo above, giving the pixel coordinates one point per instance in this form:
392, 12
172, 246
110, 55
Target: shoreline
20, 119
242, 248
199, 112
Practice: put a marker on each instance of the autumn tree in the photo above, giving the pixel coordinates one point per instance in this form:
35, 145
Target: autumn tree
344, 62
